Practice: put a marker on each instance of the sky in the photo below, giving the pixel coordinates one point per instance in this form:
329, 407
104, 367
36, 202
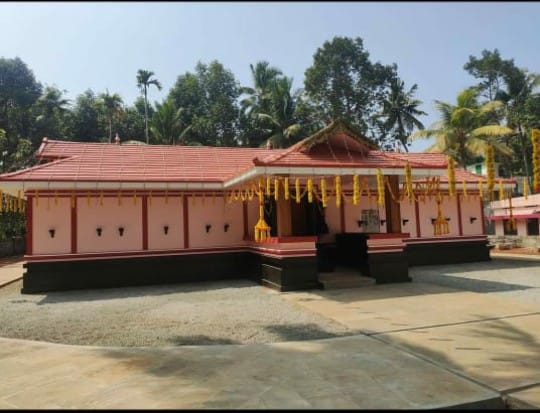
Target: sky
101, 45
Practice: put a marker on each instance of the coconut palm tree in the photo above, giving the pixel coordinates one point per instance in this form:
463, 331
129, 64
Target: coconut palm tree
112, 105
167, 125
465, 128
144, 82
280, 119
400, 110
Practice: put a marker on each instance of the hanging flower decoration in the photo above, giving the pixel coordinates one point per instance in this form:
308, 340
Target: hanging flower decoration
535, 137
310, 190
337, 185
408, 182
501, 190
276, 189
356, 190
480, 189
268, 190
440, 225
490, 167
286, 188
324, 199
451, 177
380, 187
297, 189
525, 187
261, 230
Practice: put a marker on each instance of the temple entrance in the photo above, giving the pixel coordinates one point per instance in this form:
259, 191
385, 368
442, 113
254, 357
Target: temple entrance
306, 219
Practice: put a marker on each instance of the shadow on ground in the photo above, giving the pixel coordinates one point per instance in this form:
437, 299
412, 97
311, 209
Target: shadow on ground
140, 291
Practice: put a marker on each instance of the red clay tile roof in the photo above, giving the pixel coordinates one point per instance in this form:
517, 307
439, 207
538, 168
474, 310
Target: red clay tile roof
76, 161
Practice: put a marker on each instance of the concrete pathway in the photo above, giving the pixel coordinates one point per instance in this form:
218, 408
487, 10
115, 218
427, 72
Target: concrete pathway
423, 345
356, 372
10, 270
487, 338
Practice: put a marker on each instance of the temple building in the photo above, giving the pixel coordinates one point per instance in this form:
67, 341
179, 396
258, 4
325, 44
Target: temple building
116, 214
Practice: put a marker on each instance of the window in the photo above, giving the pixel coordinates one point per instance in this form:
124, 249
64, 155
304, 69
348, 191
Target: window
478, 168
508, 229
532, 226
370, 220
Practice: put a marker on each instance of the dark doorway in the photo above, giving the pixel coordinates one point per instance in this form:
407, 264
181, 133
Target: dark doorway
307, 218
270, 214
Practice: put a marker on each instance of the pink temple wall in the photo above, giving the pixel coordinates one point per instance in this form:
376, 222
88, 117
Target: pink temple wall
161, 213
470, 207
428, 210
408, 211
57, 216
216, 213
109, 217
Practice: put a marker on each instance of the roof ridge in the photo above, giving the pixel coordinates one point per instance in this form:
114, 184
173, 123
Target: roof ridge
37, 167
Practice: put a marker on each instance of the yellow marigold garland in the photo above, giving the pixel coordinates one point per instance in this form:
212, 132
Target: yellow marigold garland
490, 167
297, 188
268, 190
408, 182
356, 190
337, 184
310, 190
451, 177
276, 189
501, 190
286, 188
380, 187
535, 137
525, 187
324, 199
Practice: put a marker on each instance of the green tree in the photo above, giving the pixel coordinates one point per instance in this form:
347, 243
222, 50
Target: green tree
167, 125
144, 81
343, 83
50, 112
83, 119
208, 99
465, 128
280, 118
112, 108
257, 100
400, 111
18, 92
502, 80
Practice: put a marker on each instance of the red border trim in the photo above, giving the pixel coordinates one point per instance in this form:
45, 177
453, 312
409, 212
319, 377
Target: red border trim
74, 207
283, 240
185, 211
388, 235
460, 223
130, 254
29, 222
445, 239
145, 222
417, 215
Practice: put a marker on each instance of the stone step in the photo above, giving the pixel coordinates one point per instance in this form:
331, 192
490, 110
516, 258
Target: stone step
333, 281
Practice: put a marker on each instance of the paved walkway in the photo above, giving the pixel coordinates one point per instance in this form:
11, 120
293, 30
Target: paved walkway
424, 345
10, 270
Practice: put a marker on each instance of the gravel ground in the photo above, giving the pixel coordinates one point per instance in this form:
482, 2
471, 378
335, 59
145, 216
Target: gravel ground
231, 312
